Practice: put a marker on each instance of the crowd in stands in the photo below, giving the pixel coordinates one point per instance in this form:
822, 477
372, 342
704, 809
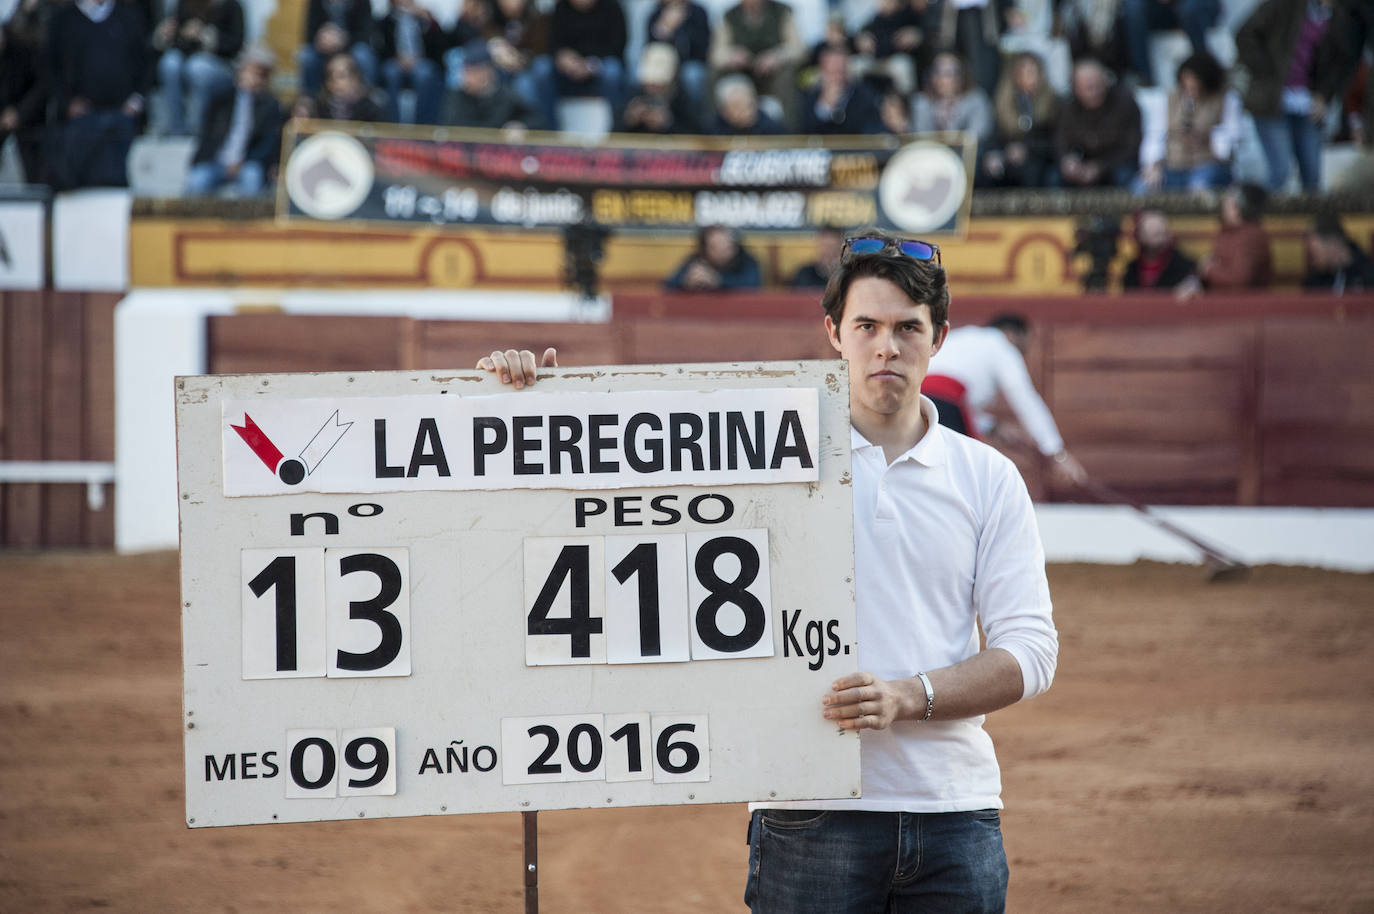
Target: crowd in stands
1240, 258
79, 78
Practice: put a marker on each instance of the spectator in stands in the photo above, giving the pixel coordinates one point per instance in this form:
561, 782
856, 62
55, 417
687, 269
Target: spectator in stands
894, 111
685, 25
1297, 55
1334, 262
522, 36
1141, 17
587, 55
1158, 264
952, 102
1098, 140
240, 140
1094, 30
23, 97
516, 35
99, 72
659, 105
838, 103
345, 96
1196, 151
1240, 258
720, 263
738, 112
1032, 29
759, 38
1027, 113
412, 46
28, 24
475, 25
971, 29
1359, 173
198, 43
483, 100
895, 41
829, 248
334, 27
836, 37
982, 364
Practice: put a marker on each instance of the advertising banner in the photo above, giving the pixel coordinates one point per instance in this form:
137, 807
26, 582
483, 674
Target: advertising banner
488, 178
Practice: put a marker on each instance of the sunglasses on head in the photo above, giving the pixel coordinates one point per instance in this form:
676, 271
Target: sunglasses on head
910, 247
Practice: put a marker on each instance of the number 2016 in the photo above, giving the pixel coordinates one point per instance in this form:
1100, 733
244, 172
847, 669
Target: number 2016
325, 612
647, 599
666, 748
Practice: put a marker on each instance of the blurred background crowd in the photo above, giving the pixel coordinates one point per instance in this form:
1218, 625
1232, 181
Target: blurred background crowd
1188, 96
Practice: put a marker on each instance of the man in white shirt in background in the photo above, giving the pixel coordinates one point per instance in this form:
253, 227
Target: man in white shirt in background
975, 365
945, 543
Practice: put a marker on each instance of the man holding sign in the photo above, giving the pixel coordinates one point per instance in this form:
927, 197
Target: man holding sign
945, 540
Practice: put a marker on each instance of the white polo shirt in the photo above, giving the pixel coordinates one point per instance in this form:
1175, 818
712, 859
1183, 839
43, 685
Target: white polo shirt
945, 538
986, 363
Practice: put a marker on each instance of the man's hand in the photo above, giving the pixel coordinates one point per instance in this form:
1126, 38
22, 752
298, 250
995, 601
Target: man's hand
673, 15
572, 65
767, 63
516, 367
862, 701
700, 276
165, 32
1153, 176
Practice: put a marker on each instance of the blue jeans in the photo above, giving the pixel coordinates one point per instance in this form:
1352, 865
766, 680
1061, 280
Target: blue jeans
694, 78
311, 66
1142, 17
842, 862
1207, 176
551, 85
1295, 133
426, 79
207, 177
200, 76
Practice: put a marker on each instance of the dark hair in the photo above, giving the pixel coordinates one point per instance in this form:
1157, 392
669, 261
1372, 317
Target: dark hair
1251, 198
740, 253
923, 281
1008, 322
1208, 71
1327, 224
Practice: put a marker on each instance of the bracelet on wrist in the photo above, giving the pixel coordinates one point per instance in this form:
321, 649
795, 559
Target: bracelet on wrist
930, 695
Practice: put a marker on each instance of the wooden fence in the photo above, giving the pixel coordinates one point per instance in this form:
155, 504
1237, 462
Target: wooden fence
1258, 400
1253, 400
56, 404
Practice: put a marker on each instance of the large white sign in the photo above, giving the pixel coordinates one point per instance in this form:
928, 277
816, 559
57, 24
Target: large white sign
416, 594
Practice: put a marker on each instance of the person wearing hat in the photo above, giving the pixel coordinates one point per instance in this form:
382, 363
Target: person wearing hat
483, 99
240, 138
658, 106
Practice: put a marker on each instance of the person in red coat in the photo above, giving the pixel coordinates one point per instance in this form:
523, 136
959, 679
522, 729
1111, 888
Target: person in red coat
1240, 257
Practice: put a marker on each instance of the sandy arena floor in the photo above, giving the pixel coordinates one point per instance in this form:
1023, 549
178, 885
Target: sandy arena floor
1204, 748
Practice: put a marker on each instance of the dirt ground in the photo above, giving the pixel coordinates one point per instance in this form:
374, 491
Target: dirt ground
1204, 748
